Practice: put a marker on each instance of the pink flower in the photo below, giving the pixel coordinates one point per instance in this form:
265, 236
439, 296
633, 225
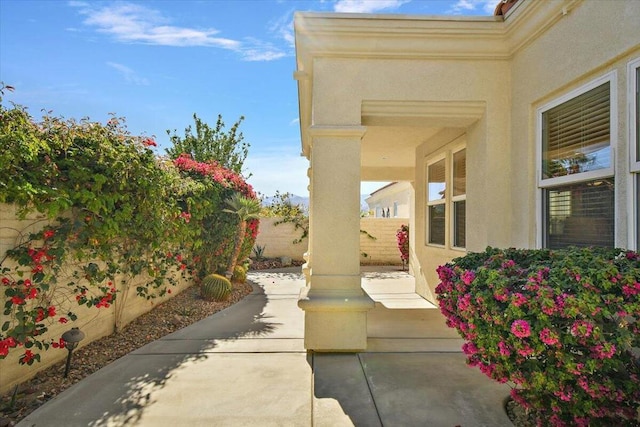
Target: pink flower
630, 290
501, 295
508, 264
464, 302
469, 348
48, 234
148, 142
548, 337
521, 328
468, 277
504, 349
186, 216
581, 328
518, 299
525, 351
603, 351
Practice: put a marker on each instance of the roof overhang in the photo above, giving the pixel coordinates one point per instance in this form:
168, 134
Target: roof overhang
360, 36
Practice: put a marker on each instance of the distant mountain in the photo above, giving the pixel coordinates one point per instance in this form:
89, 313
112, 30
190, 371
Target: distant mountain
304, 201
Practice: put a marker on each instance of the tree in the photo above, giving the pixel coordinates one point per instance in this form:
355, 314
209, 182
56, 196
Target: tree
211, 144
246, 209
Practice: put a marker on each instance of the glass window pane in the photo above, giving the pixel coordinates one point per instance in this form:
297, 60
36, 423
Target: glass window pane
436, 224
459, 225
460, 173
576, 134
436, 179
638, 114
580, 214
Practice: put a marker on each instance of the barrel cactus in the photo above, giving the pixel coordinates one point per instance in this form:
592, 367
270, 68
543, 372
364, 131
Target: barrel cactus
215, 287
239, 274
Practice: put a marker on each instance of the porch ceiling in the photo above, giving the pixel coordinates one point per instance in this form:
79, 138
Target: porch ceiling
393, 146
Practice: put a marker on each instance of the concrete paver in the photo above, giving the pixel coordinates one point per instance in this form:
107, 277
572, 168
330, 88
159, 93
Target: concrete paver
246, 366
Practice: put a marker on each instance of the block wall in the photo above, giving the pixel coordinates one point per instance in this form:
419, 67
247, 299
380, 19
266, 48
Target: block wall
278, 240
94, 322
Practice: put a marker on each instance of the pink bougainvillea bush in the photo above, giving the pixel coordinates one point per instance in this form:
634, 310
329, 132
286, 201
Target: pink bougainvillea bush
402, 236
562, 328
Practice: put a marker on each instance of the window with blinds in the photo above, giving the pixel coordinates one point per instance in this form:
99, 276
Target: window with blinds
436, 209
637, 114
580, 214
576, 145
576, 134
459, 198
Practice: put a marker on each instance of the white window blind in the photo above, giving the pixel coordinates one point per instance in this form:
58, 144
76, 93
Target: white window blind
459, 198
576, 134
580, 214
436, 210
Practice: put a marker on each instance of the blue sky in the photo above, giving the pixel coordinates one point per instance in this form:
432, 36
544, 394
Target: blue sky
158, 62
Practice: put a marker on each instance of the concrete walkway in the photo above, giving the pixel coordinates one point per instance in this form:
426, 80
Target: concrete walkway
246, 366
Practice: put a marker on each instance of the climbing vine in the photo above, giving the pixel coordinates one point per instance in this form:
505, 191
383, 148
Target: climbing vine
114, 216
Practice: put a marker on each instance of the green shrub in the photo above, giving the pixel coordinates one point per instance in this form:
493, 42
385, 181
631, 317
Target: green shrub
215, 287
113, 209
561, 327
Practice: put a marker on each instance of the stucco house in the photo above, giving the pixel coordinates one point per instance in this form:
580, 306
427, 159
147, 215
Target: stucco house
391, 201
519, 130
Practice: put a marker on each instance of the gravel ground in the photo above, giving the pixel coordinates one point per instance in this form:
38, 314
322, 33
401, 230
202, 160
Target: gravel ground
519, 416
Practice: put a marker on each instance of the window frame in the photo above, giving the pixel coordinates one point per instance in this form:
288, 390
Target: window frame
544, 184
633, 68
460, 198
446, 154
432, 161
633, 106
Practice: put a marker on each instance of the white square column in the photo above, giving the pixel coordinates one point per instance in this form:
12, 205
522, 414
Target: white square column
334, 303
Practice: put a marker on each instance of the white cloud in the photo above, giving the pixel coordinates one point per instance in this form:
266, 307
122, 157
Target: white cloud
129, 75
486, 6
135, 23
367, 6
283, 28
257, 50
294, 122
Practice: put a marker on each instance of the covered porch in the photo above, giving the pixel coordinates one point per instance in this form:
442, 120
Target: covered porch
382, 98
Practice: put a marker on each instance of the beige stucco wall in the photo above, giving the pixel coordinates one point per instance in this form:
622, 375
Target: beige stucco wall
488, 139
278, 240
594, 39
542, 51
95, 323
